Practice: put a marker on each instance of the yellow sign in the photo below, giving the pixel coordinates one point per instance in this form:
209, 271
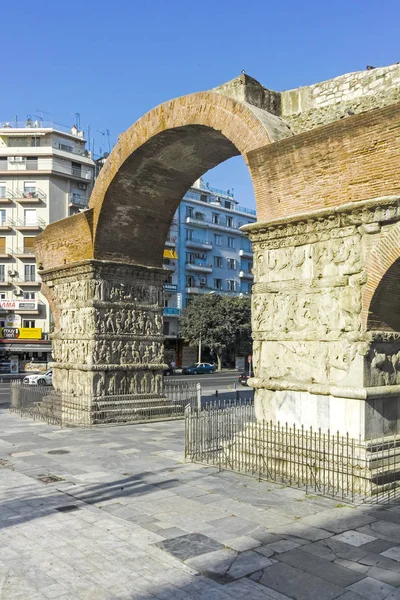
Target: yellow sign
170, 253
30, 333
21, 333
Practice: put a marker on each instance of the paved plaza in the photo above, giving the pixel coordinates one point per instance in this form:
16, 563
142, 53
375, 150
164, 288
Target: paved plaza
117, 513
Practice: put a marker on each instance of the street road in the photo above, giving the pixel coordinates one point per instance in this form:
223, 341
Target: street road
223, 382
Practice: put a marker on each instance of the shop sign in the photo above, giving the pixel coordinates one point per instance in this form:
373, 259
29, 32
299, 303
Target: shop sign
170, 287
18, 304
22, 333
10, 333
13, 320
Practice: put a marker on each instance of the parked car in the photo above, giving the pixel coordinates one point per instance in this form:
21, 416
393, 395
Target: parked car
169, 371
199, 368
39, 378
243, 377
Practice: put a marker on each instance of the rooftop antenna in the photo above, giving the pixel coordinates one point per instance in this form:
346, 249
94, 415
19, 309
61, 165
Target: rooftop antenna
108, 138
43, 112
78, 120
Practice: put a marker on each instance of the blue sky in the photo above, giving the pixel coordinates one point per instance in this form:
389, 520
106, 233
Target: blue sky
114, 61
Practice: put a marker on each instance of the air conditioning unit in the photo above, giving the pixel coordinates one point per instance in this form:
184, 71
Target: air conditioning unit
12, 273
203, 281
82, 186
18, 292
19, 158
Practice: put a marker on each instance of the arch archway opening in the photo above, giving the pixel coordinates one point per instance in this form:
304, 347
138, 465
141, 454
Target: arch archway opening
141, 200
384, 310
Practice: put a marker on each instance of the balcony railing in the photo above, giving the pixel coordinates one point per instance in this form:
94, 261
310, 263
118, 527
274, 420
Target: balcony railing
6, 223
37, 194
26, 224
171, 311
209, 223
199, 244
77, 200
246, 274
199, 267
6, 194
23, 252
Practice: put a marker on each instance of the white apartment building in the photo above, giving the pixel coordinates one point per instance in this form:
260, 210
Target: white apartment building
46, 174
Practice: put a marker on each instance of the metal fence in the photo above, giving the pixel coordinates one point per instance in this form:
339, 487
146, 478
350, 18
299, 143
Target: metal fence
324, 463
46, 404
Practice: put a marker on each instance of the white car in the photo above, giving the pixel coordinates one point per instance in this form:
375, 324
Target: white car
39, 379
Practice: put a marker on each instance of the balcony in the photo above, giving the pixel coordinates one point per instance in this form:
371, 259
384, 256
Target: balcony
199, 267
5, 282
198, 244
169, 266
24, 253
171, 312
33, 197
246, 253
198, 222
6, 224
198, 289
77, 200
5, 253
170, 242
170, 287
246, 275
6, 196
37, 225
28, 283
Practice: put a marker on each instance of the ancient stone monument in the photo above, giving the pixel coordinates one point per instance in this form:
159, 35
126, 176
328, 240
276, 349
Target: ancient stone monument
324, 164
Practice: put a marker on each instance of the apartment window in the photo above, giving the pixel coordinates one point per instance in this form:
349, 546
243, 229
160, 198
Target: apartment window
168, 279
3, 189
166, 302
203, 197
215, 218
189, 234
218, 284
3, 163
227, 204
166, 328
17, 142
3, 296
76, 169
29, 295
31, 163
30, 216
2, 216
29, 188
231, 263
218, 261
190, 258
189, 211
231, 285
28, 323
2, 272
2, 245
189, 281
229, 221
231, 242
30, 273
65, 147
28, 245
35, 141
217, 239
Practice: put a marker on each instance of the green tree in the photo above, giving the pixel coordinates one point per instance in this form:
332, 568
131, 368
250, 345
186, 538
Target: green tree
218, 321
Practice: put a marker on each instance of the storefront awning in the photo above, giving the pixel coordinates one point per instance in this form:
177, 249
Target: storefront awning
25, 348
170, 253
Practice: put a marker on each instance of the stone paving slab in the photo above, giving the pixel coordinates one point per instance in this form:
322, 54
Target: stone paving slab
116, 513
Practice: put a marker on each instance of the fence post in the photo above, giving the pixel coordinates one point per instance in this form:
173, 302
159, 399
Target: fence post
198, 395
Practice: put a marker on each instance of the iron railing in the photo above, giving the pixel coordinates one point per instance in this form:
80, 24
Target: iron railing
46, 404
324, 463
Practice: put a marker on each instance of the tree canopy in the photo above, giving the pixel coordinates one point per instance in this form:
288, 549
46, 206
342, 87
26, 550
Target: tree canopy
218, 321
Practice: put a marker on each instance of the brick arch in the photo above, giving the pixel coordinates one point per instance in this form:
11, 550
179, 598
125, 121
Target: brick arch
381, 294
158, 158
